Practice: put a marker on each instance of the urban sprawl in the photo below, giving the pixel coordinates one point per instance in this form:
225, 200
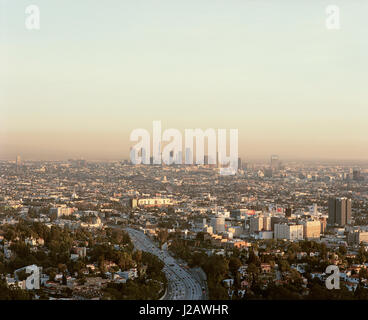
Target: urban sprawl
82, 229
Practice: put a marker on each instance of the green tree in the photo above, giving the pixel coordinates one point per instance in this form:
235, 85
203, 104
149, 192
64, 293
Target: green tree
234, 265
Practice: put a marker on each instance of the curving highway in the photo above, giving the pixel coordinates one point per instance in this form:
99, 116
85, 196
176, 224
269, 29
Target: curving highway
181, 284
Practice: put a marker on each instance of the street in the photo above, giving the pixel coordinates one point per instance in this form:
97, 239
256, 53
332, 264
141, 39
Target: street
181, 284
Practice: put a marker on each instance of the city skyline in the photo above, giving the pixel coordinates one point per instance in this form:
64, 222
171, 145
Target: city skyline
184, 157
195, 229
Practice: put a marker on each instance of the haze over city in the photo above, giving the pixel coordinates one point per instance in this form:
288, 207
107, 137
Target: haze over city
184, 157
77, 87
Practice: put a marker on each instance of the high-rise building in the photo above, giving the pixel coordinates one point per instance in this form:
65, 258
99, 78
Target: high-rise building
339, 211
275, 162
260, 223
357, 176
188, 156
132, 156
143, 155
179, 157
171, 157
18, 163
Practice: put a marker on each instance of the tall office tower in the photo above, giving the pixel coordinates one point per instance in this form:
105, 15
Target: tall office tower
143, 155
239, 164
172, 156
205, 159
132, 155
188, 156
275, 162
339, 211
218, 160
357, 175
18, 163
179, 157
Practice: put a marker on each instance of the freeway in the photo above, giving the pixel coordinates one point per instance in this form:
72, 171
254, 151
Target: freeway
181, 284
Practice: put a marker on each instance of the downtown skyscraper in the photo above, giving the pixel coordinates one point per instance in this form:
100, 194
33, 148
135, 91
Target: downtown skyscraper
339, 211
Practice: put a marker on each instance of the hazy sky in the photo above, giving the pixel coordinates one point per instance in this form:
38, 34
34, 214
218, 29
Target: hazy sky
96, 70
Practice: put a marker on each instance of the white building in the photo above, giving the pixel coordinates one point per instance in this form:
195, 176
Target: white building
218, 224
289, 232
